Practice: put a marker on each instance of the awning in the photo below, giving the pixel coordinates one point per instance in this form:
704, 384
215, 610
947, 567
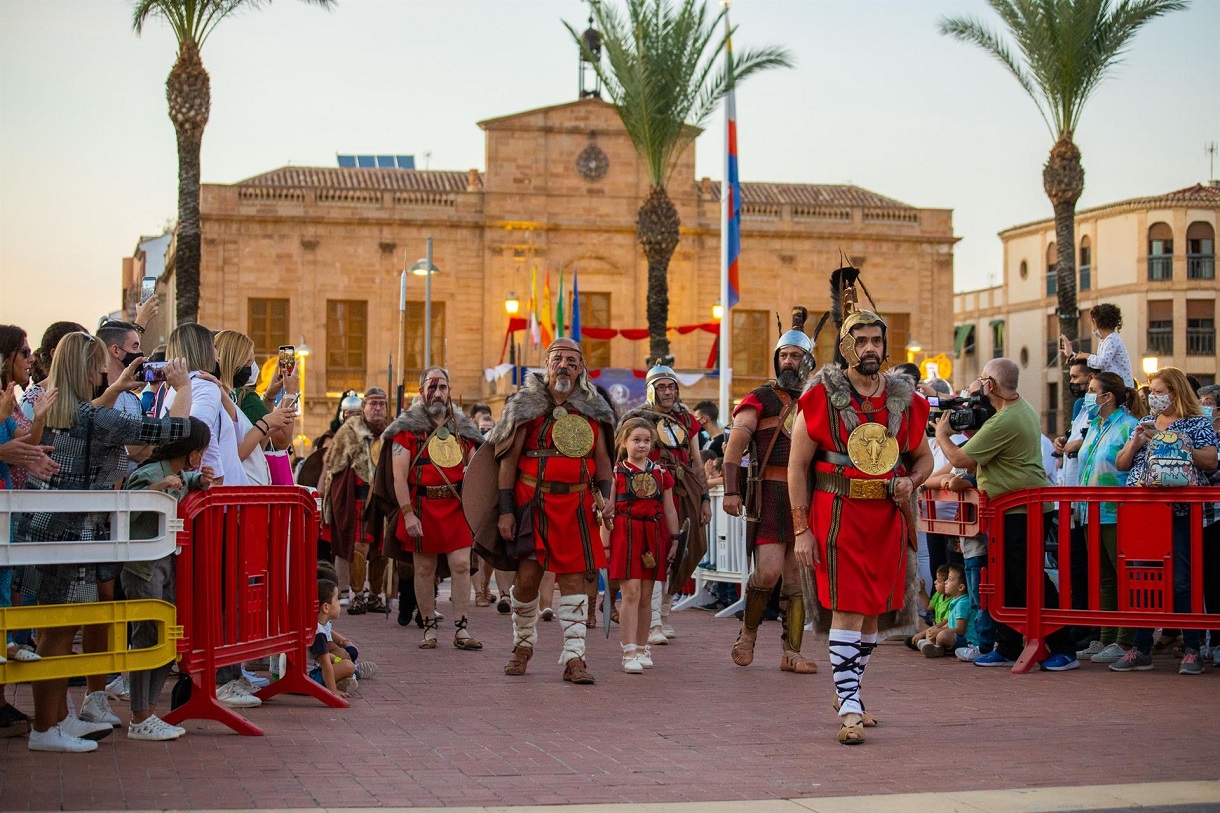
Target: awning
997, 331
962, 336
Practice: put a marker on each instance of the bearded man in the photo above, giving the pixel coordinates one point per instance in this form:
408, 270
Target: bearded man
350, 466
678, 452
552, 445
433, 443
860, 434
762, 429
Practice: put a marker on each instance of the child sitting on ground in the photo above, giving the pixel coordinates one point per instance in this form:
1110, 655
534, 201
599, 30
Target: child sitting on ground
935, 609
950, 635
329, 663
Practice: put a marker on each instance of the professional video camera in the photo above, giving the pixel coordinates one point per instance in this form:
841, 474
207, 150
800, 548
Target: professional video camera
965, 414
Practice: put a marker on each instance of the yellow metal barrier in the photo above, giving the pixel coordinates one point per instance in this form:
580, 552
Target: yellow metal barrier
117, 657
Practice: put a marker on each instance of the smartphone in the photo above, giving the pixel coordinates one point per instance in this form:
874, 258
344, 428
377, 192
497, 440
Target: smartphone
148, 287
151, 371
291, 401
288, 358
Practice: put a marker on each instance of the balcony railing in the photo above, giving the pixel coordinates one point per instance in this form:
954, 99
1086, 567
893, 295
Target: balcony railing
1160, 341
1086, 277
1200, 266
1160, 268
1200, 341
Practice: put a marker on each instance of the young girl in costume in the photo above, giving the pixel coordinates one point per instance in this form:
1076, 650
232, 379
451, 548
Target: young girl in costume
639, 549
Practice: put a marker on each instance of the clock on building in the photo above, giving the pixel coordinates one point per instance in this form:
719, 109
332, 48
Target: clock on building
592, 163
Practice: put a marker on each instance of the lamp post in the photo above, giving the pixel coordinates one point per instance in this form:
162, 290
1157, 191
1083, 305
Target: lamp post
511, 306
913, 347
425, 268
717, 311
1151, 365
303, 352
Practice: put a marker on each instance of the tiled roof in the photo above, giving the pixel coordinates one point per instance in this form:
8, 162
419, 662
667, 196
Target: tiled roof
804, 194
1199, 194
385, 179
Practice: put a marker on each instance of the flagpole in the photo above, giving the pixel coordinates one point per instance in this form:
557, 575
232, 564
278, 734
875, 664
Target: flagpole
726, 372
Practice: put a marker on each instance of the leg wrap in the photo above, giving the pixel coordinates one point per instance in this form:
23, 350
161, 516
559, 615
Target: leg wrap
868, 642
845, 652
656, 604
667, 601
756, 605
572, 618
525, 621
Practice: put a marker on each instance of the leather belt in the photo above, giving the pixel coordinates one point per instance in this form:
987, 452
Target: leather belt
438, 492
768, 423
549, 487
544, 453
775, 474
853, 487
833, 458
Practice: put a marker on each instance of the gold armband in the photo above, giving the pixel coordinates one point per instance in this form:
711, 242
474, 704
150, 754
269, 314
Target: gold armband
800, 519
406, 508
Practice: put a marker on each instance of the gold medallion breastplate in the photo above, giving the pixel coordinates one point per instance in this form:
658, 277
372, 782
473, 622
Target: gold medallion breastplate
872, 449
571, 434
672, 433
643, 485
444, 449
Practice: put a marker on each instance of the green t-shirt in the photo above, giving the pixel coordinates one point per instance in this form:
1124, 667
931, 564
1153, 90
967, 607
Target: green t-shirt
1008, 451
252, 405
940, 607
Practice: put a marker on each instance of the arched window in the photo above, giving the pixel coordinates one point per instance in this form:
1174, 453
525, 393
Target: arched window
1024, 269
1200, 251
1086, 263
1052, 258
1160, 252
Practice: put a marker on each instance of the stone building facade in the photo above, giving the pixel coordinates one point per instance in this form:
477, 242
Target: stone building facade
314, 255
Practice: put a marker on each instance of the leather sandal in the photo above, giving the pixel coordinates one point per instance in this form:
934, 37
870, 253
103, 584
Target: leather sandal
851, 734
430, 626
867, 720
469, 642
518, 660
743, 647
358, 606
575, 672
482, 598
376, 605
793, 661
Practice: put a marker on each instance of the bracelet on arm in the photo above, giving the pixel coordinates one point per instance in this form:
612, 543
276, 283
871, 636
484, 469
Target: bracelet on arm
406, 508
604, 487
705, 497
800, 519
508, 501
262, 426
138, 328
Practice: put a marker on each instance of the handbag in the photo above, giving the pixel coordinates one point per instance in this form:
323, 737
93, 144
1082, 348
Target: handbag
279, 464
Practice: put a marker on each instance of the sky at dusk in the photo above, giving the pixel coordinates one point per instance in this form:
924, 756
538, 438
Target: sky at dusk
878, 98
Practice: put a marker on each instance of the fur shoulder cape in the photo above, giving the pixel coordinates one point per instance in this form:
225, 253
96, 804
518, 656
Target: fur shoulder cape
898, 393
648, 411
416, 419
534, 399
350, 449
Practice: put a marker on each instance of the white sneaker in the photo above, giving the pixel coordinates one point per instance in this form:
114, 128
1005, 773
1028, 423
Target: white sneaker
668, 630
73, 726
1092, 649
967, 654
632, 665
236, 695
23, 654
154, 729
54, 739
645, 658
348, 685
256, 681
656, 637
366, 670
96, 709
1110, 654
119, 688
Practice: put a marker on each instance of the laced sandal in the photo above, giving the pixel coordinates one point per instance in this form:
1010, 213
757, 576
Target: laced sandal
851, 734
743, 647
358, 606
482, 598
376, 605
430, 626
518, 660
866, 719
793, 661
469, 642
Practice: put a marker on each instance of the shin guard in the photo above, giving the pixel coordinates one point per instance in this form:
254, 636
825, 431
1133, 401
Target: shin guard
756, 605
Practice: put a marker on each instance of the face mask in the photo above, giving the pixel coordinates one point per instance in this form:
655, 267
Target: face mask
100, 389
1091, 407
1077, 390
1159, 403
1208, 411
245, 376
129, 358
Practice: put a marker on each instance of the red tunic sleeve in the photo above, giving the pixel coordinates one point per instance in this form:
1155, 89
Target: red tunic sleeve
749, 402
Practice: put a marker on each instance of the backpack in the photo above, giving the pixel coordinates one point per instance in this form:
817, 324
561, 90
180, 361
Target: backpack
1169, 462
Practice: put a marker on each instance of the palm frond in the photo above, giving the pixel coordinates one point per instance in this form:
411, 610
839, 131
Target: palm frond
193, 20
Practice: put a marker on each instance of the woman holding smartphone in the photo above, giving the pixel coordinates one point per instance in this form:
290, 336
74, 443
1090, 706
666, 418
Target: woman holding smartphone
238, 375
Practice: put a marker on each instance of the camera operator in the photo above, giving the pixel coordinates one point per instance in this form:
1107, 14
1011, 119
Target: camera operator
1005, 453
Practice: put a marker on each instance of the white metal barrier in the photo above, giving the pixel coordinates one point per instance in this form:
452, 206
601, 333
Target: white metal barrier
726, 560
120, 505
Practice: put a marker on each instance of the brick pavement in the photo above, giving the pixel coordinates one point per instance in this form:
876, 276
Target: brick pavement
446, 728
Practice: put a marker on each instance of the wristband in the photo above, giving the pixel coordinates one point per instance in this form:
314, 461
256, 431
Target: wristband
800, 520
406, 508
262, 426
508, 501
731, 494
706, 498
604, 487
137, 328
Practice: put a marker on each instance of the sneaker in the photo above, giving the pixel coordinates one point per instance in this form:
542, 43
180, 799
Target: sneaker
504, 606
547, 614
632, 665
96, 709
256, 681
1060, 662
348, 685
119, 688
668, 631
1133, 661
933, 651
153, 729
21, 654
1110, 654
366, 670
1092, 649
656, 637
1192, 664
236, 694
73, 726
992, 658
54, 739
715, 607
967, 654
645, 658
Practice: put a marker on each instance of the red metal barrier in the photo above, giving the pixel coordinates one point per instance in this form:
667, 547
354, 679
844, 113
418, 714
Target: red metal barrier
247, 589
1145, 561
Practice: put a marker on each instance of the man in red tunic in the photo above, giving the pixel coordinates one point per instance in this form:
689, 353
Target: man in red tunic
552, 444
762, 428
678, 451
433, 443
860, 434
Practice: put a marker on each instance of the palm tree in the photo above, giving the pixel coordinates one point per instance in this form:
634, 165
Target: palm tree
1066, 48
665, 79
189, 92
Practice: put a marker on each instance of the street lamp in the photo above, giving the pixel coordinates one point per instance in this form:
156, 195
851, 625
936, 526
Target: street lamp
717, 311
1151, 365
425, 268
303, 352
512, 304
913, 347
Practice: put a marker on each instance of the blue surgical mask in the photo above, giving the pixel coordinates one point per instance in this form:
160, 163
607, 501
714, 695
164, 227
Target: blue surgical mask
1208, 412
1091, 407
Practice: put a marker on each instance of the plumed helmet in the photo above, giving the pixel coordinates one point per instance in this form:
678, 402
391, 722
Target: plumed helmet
351, 402
658, 373
795, 337
847, 316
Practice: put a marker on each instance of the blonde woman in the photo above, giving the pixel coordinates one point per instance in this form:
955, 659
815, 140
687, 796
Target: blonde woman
88, 445
235, 357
